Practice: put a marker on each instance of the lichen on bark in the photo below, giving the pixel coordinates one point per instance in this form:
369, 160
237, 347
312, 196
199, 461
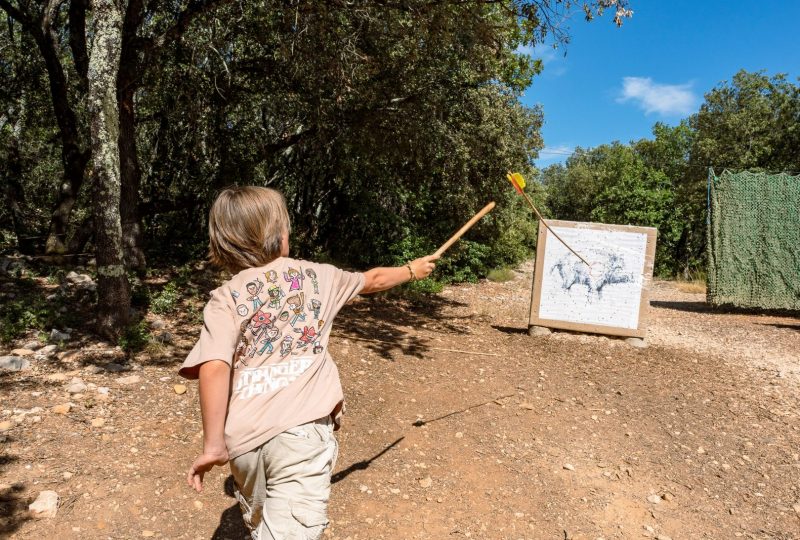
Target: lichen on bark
112, 283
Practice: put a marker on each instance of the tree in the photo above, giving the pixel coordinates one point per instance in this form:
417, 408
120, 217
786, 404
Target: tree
112, 280
370, 116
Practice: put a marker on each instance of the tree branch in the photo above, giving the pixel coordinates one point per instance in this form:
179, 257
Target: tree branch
77, 40
194, 9
16, 13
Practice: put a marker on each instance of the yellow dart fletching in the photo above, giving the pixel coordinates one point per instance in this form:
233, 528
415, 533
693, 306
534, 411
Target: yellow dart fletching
517, 181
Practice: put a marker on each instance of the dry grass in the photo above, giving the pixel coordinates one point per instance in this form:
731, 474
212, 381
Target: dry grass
694, 286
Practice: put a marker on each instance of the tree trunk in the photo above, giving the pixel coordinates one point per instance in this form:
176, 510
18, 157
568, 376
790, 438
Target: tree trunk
131, 175
73, 156
112, 281
127, 83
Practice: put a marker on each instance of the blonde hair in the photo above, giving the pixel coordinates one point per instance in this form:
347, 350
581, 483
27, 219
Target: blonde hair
246, 225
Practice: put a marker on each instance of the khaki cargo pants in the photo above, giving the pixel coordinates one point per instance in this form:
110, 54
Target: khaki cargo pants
283, 486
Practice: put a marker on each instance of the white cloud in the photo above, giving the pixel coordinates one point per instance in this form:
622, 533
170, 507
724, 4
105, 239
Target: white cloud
559, 151
664, 99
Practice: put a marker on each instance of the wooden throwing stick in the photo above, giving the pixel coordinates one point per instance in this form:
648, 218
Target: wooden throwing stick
477, 217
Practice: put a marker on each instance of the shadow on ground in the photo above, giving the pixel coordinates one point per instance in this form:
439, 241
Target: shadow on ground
703, 307
386, 323
231, 524
13, 504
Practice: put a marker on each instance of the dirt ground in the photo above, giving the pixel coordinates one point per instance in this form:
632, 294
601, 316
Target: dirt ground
563, 436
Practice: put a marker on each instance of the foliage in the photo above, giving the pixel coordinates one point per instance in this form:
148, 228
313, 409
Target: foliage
500, 275
135, 337
30, 312
751, 123
166, 300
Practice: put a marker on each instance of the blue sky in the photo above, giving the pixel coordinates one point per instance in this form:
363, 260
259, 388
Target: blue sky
615, 83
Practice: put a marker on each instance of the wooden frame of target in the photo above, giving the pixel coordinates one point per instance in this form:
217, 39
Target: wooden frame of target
610, 295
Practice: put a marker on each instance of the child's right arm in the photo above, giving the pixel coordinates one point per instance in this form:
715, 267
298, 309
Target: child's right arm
215, 379
382, 278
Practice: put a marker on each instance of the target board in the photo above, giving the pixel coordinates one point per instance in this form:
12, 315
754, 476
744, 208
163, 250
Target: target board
607, 296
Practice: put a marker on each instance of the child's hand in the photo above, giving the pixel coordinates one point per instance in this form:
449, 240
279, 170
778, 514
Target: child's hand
202, 465
423, 266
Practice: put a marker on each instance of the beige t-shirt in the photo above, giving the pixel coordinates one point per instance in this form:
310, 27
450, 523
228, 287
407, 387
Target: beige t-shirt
272, 324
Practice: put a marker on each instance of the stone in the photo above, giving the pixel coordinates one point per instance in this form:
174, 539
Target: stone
98, 422
569, 467
115, 368
539, 331
102, 390
69, 356
426, 482
45, 505
92, 369
198, 505
639, 343
179, 389
57, 377
22, 352
14, 363
131, 379
67, 475
158, 324
58, 337
663, 537
77, 386
33, 345
165, 338
654, 499
796, 507
5, 425
62, 409
525, 405
46, 351
148, 534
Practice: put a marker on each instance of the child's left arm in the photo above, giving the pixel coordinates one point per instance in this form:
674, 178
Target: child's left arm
214, 389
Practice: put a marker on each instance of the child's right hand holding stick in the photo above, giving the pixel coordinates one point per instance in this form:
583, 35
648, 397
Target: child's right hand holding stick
383, 278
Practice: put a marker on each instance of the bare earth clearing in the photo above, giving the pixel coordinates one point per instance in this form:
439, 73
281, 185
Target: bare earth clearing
562, 436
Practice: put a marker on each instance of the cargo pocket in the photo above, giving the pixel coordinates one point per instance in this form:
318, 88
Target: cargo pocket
311, 519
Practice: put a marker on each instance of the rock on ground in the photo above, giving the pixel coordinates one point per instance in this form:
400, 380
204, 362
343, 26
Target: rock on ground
14, 363
45, 505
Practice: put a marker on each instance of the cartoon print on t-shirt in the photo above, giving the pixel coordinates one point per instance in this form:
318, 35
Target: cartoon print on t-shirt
235, 296
308, 334
295, 305
271, 275
260, 325
317, 347
286, 346
254, 288
320, 324
313, 275
315, 306
275, 295
295, 277
284, 316
241, 309
272, 335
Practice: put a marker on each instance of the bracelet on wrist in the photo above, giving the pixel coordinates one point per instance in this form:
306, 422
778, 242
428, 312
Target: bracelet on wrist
413, 276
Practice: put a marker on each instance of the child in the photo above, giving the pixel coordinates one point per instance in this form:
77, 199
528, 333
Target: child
271, 411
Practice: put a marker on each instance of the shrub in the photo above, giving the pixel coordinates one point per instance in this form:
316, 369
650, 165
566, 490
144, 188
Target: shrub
500, 275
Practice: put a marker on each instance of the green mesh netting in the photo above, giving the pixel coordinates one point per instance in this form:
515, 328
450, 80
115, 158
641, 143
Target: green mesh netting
754, 240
